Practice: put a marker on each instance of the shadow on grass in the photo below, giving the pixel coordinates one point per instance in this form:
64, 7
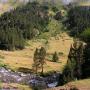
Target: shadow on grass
25, 70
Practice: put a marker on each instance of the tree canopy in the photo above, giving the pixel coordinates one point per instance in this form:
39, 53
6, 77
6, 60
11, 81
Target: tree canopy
78, 19
22, 23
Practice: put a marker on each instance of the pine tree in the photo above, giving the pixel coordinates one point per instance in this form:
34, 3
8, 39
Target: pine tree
86, 64
21, 24
55, 57
42, 56
36, 60
39, 59
75, 61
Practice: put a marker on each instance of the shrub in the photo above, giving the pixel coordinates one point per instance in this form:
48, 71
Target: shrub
3, 65
60, 53
86, 34
55, 57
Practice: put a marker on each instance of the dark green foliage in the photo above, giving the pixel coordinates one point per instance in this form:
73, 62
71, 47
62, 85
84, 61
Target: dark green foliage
78, 22
86, 64
20, 24
54, 9
78, 19
11, 39
75, 61
85, 35
58, 16
55, 57
69, 71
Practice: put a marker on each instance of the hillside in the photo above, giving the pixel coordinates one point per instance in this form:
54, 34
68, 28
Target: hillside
84, 4
44, 44
80, 85
5, 7
25, 23
24, 58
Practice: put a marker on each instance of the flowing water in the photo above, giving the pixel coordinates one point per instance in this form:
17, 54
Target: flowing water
8, 76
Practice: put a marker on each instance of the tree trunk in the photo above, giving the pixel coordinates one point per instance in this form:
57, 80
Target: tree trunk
42, 68
36, 69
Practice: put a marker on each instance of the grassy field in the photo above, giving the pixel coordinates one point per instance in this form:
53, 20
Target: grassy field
24, 58
85, 4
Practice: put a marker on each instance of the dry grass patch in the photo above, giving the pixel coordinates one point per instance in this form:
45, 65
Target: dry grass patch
15, 86
24, 58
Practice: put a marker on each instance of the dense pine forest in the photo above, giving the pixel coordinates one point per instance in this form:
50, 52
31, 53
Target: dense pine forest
22, 23
78, 24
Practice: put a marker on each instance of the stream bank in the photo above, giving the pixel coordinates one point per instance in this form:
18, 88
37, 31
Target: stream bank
8, 76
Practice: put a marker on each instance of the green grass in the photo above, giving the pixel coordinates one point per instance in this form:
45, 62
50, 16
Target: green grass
54, 28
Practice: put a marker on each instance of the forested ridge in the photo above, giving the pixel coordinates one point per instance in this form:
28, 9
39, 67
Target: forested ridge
78, 25
22, 23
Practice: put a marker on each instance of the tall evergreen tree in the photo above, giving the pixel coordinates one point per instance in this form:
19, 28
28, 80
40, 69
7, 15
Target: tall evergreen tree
55, 57
42, 55
36, 60
86, 64
75, 60
21, 24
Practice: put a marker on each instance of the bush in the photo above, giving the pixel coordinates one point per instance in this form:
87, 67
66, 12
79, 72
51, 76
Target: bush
55, 9
3, 65
85, 35
55, 57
